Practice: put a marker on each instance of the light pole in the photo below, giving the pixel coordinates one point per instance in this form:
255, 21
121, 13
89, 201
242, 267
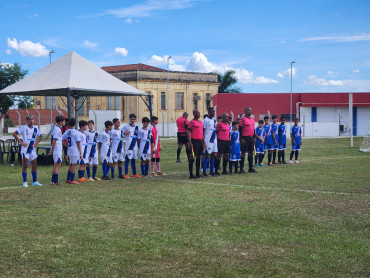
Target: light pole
291, 91
168, 95
51, 98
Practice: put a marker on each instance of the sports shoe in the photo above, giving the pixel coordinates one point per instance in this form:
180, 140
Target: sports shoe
85, 179
252, 171
91, 179
25, 184
106, 178
224, 173
291, 162
217, 174
283, 162
73, 182
256, 165
81, 180
274, 162
296, 162
97, 179
121, 177
152, 174
57, 183
136, 176
242, 171
198, 177
127, 177
36, 183
270, 164
67, 181
191, 177
178, 161
161, 174
262, 165
205, 175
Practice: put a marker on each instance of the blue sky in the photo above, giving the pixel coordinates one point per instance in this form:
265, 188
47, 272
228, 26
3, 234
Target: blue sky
329, 40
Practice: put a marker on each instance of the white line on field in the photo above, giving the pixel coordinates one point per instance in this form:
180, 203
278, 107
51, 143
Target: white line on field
11, 187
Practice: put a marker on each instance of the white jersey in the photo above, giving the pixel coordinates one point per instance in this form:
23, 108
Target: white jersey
117, 140
57, 136
131, 139
145, 136
29, 135
92, 138
105, 149
73, 137
83, 144
209, 126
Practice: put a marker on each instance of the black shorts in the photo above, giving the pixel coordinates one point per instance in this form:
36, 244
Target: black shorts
182, 138
248, 145
65, 149
223, 146
197, 147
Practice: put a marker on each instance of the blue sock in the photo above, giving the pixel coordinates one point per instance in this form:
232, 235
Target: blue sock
82, 173
147, 169
52, 177
127, 161
120, 170
79, 174
88, 172
95, 169
56, 178
205, 162
112, 171
103, 168
142, 166
211, 165
133, 166
69, 176
24, 175
34, 176
73, 176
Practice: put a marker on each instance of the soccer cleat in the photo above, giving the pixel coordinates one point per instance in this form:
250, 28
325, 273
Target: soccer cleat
231, 172
161, 174
262, 165
51, 183
25, 184
178, 161
242, 171
81, 180
127, 177
106, 178
290, 162
97, 179
224, 173
67, 181
152, 174
57, 183
217, 174
91, 179
121, 177
270, 164
85, 179
252, 171
296, 162
205, 175
198, 177
283, 162
136, 176
191, 177
256, 165
73, 182
274, 162
212, 174
36, 183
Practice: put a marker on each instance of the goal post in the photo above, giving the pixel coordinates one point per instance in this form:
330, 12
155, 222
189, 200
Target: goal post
365, 146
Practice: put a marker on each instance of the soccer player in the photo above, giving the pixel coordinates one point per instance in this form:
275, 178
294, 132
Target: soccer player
57, 148
269, 140
118, 153
196, 144
210, 138
74, 149
156, 148
131, 131
144, 139
259, 145
223, 141
235, 148
105, 147
282, 141
92, 138
182, 138
296, 135
28, 150
82, 162
275, 137
246, 127
65, 143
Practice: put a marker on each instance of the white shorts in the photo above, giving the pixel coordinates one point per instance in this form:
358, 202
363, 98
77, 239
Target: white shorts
74, 159
93, 161
118, 157
106, 159
211, 148
30, 156
57, 158
144, 157
132, 154
82, 161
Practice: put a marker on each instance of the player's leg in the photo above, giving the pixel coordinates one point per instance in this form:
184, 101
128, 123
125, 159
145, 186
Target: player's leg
205, 162
225, 160
133, 164
142, 167
24, 170
34, 169
212, 164
191, 164
291, 154
120, 169
250, 155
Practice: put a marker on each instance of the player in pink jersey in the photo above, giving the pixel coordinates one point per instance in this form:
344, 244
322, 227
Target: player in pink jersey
156, 149
246, 127
196, 143
182, 138
223, 141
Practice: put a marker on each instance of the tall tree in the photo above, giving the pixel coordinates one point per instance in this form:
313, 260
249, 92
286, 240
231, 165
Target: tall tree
228, 80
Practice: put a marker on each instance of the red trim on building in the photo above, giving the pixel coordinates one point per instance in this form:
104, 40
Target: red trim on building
131, 67
44, 116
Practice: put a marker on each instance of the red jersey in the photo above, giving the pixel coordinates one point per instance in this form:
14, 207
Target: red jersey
248, 126
223, 131
182, 124
155, 139
196, 128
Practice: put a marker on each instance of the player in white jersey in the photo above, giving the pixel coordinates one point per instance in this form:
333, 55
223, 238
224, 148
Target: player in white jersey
92, 139
106, 149
74, 149
210, 138
144, 139
84, 160
131, 131
57, 148
28, 150
118, 152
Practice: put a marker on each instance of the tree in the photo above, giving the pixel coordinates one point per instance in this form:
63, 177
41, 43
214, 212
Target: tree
228, 80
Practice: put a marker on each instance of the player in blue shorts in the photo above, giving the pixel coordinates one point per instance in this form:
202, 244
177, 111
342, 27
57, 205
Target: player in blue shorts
235, 148
296, 135
259, 144
275, 134
268, 140
282, 140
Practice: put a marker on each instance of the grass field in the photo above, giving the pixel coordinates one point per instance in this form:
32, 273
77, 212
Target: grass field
306, 220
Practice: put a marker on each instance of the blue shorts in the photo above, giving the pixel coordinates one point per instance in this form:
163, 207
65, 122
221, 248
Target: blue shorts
260, 149
268, 147
296, 147
282, 147
234, 156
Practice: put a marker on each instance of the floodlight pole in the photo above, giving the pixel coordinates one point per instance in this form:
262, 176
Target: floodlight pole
291, 92
51, 98
168, 95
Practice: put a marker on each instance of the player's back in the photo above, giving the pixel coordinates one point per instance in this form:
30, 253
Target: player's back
73, 137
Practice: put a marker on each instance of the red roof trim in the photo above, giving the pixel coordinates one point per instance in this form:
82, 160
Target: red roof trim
131, 67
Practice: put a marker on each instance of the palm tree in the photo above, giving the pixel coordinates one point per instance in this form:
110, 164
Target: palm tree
227, 80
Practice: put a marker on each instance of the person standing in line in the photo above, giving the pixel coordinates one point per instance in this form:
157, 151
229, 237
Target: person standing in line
56, 148
246, 126
196, 144
182, 138
210, 139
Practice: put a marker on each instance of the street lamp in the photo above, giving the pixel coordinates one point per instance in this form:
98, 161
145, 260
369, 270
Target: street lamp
168, 95
51, 98
50, 52
291, 91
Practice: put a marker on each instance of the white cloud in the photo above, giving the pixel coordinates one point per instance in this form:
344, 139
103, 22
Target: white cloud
356, 70
287, 73
128, 20
28, 48
33, 15
89, 44
8, 51
6, 65
330, 72
282, 41
314, 80
352, 38
121, 51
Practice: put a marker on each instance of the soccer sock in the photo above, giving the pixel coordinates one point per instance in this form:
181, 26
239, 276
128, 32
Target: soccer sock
56, 178
269, 158
133, 166
255, 159
142, 166
79, 174
283, 155
88, 172
69, 176
158, 166
279, 156
231, 163
224, 165
250, 161
291, 155
120, 170
103, 169
152, 166
127, 161
217, 164
205, 162
236, 166
83, 173
112, 171
34, 176
242, 159
296, 155
73, 176
146, 168
260, 158
24, 175
197, 166
274, 157
191, 163
95, 169
211, 165
178, 153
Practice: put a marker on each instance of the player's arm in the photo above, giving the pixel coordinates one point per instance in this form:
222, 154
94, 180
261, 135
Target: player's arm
291, 136
15, 134
126, 131
79, 148
273, 136
188, 134
53, 146
38, 141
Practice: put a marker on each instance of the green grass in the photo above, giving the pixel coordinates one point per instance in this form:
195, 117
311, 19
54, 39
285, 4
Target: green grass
306, 220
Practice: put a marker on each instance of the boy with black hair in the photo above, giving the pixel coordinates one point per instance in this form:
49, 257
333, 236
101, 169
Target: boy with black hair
269, 140
117, 148
131, 132
223, 141
246, 127
275, 137
156, 148
235, 148
259, 144
56, 148
81, 170
196, 144
65, 145
182, 138
144, 140
73, 138
92, 138
282, 140
219, 119
210, 139
105, 148
296, 135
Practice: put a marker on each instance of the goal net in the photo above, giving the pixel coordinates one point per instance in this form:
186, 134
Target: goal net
365, 146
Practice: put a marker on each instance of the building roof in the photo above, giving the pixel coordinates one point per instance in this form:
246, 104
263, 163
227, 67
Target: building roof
44, 116
131, 67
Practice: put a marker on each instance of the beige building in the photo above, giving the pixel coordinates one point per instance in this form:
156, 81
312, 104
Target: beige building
187, 91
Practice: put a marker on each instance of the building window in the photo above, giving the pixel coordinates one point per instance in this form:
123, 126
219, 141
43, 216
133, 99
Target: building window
289, 117
313, 114
163, 100
179, 101
47, 102
208, 100
117, 102
80, 106
195, 101
88, 103
109, 103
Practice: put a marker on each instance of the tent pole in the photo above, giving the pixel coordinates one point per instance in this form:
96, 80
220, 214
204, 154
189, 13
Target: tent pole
69, 103
76, 110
